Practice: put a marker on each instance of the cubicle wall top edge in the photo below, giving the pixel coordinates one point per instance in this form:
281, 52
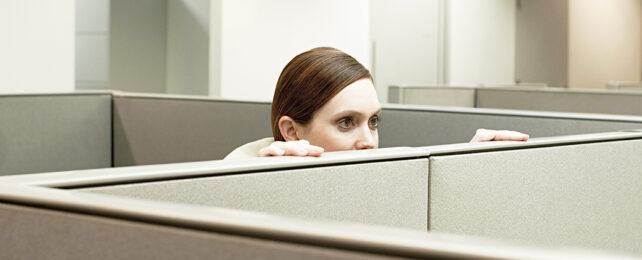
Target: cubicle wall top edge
463, 148
76, 93
121, 94
347, 236
409, 86
160, 172
512, 112
590, 91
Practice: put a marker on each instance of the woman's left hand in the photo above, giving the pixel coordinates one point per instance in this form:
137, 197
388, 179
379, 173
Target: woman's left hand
485, 135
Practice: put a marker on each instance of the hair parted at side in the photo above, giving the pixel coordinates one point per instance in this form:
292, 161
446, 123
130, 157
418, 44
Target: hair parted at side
309, 81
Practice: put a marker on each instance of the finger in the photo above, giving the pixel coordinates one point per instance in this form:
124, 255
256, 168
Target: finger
299, 148
505, 135
483, 135
314, 150
271, 151
293, 148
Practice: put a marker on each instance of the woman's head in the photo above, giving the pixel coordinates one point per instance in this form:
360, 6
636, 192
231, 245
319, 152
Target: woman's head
327, 97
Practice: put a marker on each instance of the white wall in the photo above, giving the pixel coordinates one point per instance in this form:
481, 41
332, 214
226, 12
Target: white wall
92, 44
137, 45
541, 42
604, 42
480, 42
188, 24
36, 46
406, 41
258, 38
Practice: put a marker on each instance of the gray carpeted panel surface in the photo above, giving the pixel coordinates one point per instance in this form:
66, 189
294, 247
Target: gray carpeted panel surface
546, 100
386, 193
154, 131
54, 133
34, 233
585, 195
424, 128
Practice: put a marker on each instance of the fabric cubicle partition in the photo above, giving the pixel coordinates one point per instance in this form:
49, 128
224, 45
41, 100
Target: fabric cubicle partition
56, 224
605, 101
96, 130
152, 129
623, 101
54, 132
585, 194
458, 96
558, 191
407, 125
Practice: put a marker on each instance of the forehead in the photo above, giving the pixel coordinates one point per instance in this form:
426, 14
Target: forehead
359, 96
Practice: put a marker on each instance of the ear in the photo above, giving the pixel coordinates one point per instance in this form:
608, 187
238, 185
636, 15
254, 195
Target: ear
287, 126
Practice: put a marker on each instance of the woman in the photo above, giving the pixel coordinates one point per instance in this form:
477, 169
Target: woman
325, 101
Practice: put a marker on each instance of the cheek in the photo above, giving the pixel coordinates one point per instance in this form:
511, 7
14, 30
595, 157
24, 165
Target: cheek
376, 139
330, 138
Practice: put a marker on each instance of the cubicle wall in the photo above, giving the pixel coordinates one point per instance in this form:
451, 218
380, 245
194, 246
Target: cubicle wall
583, 194
151, 129
54, 132
80, 131
580, 191
624, 101
626, 85
405, 125
458, 96
42, 223
604, 101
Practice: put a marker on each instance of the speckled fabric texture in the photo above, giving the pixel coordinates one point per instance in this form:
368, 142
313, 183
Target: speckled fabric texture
584, 195
46, 133
387, 193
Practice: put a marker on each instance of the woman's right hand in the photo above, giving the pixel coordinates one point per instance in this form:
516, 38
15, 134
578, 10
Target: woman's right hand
291, 148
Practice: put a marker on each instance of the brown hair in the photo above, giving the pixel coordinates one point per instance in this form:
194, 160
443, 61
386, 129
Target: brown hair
309, 81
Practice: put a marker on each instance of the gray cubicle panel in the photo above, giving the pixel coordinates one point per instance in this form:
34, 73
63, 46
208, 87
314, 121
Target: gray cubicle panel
458, 96
44, 223
54, 132
580, 191
152, 129
624, 85
586, 194
341, 186
604, 101
413, 125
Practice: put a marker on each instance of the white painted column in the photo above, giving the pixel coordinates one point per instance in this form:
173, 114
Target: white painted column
258, 38
605, 41
37, 46
406, 37
480, 42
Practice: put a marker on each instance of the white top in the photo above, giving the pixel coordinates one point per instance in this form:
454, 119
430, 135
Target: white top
249, 150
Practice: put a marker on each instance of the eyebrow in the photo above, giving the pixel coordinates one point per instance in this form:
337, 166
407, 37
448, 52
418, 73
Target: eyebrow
350, 112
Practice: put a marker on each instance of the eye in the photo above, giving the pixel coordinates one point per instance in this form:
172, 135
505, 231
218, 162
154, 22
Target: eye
374, 122
345, 123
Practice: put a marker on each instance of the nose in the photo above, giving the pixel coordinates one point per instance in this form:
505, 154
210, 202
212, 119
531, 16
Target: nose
366, 139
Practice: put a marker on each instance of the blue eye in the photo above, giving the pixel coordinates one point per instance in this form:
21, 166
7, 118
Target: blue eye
345, 123
374, 122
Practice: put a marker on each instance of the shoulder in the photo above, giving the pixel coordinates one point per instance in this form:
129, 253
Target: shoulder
249, 150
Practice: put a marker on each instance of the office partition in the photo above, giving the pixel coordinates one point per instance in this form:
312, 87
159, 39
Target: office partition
54, 132
580, 190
